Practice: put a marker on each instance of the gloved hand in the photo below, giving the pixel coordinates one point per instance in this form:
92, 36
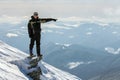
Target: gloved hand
55, 20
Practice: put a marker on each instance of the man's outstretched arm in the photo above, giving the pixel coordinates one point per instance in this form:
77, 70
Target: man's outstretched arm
44, 20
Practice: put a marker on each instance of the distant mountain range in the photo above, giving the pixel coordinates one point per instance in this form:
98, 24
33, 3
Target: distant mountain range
81, 61
94, 35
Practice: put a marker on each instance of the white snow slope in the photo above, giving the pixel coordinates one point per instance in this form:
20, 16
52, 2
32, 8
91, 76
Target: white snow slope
13, 66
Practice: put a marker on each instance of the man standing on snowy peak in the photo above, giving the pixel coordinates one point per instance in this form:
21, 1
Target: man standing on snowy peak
34, 30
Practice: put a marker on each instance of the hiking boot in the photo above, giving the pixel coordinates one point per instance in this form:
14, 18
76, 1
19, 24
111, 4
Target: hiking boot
32, 55
39, 57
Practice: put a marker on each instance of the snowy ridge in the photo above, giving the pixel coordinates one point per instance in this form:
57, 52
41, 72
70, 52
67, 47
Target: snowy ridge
10, 71
13, 65
56, 74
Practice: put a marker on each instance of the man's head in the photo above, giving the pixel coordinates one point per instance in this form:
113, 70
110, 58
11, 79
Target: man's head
35, 14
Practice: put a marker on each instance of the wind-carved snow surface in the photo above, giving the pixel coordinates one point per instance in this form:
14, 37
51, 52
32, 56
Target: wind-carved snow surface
10, 71
14, 66
52, 73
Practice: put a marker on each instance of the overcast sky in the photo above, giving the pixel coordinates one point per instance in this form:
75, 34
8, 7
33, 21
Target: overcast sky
58, 7
62, 8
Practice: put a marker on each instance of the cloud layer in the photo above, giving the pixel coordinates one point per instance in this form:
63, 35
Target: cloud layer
10, 35
73, 65
12, 19
112, 50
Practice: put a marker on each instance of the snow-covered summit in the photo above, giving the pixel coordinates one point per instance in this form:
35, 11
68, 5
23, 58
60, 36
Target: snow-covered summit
13, 66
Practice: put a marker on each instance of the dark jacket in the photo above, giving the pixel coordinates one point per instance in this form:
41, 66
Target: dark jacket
34, 25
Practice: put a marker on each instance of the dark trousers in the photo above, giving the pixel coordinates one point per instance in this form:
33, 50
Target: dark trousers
36, 38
